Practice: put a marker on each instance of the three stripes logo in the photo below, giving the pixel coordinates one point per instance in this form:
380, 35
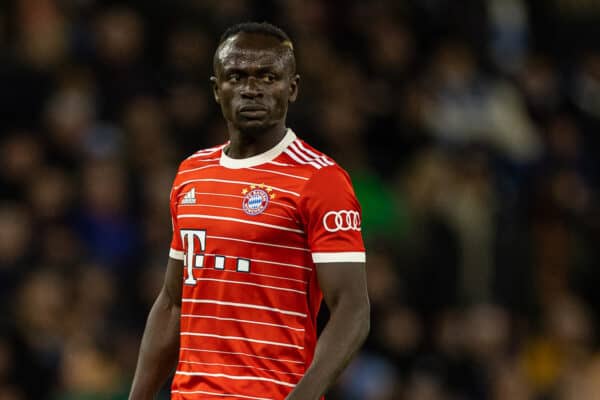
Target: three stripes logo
189, 197
303, 155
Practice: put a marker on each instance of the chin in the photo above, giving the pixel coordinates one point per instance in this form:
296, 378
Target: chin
253, 127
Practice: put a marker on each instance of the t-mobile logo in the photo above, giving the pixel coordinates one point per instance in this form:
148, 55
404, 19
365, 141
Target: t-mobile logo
190, 238
194, 241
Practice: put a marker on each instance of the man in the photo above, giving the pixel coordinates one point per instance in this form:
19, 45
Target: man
264, 227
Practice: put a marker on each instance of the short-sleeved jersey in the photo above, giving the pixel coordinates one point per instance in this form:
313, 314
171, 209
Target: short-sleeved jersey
250, 233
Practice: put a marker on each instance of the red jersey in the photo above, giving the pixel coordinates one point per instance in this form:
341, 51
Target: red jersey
249, 232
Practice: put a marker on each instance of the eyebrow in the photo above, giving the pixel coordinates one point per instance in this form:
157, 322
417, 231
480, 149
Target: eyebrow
261, 69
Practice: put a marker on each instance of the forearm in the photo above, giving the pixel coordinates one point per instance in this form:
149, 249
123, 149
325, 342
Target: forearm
159, 349
343, 335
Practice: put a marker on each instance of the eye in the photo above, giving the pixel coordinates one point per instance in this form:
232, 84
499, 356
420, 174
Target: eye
268, 78
233, 77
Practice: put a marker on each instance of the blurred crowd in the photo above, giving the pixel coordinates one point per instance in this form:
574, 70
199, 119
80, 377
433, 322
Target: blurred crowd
471, 131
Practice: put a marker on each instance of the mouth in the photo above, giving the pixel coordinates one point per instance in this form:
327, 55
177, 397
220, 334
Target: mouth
252, 108
253, 111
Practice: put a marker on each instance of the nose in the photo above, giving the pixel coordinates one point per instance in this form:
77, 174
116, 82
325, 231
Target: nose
251, 88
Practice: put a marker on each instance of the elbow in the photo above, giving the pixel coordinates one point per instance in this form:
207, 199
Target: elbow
367, 324
364, 322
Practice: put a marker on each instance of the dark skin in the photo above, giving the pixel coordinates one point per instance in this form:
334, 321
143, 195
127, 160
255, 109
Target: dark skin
160, 343
254, 83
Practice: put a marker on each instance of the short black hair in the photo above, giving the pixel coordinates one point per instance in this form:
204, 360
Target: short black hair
264, 28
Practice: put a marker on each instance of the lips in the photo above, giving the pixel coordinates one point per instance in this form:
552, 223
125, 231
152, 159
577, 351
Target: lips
252, 108
253, 112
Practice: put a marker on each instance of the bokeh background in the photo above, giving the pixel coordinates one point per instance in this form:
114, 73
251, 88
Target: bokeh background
471, 130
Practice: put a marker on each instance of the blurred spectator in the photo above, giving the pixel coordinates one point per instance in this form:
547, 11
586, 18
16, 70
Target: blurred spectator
107, 230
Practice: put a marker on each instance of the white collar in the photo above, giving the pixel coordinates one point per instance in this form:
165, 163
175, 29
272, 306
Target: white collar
261, 158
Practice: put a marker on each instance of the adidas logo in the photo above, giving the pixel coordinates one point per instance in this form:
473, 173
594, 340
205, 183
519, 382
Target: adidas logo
189, 197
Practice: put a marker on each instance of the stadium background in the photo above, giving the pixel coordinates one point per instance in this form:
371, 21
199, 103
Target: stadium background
470, 129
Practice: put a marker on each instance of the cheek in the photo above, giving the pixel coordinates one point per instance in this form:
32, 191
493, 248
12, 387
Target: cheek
281, 106
225, 95
281, 101
225, 101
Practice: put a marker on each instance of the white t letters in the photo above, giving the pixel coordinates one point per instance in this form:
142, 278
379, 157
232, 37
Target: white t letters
191, 260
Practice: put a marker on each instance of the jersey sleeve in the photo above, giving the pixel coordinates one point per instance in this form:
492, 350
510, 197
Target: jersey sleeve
331, 216
176, 249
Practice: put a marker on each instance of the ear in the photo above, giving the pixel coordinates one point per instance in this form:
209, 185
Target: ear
294, 84
215, 88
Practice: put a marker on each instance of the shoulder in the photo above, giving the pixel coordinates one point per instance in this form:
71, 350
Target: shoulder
328, 186
313, 162
303, 154
192, 165
202, 157
323, 173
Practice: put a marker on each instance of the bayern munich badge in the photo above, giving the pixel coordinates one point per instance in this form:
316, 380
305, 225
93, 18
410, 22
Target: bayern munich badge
256, 199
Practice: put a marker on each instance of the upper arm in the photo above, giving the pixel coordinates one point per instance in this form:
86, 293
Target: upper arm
331, 215
344, 282
173, 281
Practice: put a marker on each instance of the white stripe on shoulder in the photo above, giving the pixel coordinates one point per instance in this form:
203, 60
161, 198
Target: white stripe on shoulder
235, 377
241, 354
183, 171
241, 396
344, 256
205, 159
205, 152
292, 152
305, 156
243, 305
322, 158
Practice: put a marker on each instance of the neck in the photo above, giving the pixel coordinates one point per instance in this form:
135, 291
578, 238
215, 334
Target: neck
243, 144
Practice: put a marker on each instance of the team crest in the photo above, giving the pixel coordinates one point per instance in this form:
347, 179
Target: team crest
256, 198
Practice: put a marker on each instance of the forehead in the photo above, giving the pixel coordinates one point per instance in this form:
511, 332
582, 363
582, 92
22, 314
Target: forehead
251, 51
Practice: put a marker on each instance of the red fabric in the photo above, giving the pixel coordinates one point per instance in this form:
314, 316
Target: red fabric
252, 334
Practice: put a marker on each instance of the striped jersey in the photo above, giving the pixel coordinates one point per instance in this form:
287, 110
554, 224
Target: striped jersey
250, 233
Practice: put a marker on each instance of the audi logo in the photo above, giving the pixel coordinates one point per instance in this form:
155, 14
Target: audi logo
341, 220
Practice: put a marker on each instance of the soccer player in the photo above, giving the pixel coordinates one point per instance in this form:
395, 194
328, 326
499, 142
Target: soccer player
264, 227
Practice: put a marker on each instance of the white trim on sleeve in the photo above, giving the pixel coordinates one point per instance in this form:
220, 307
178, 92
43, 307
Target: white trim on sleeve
344, 256
176, 254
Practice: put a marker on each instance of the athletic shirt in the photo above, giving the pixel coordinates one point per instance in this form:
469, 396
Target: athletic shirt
249, 232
